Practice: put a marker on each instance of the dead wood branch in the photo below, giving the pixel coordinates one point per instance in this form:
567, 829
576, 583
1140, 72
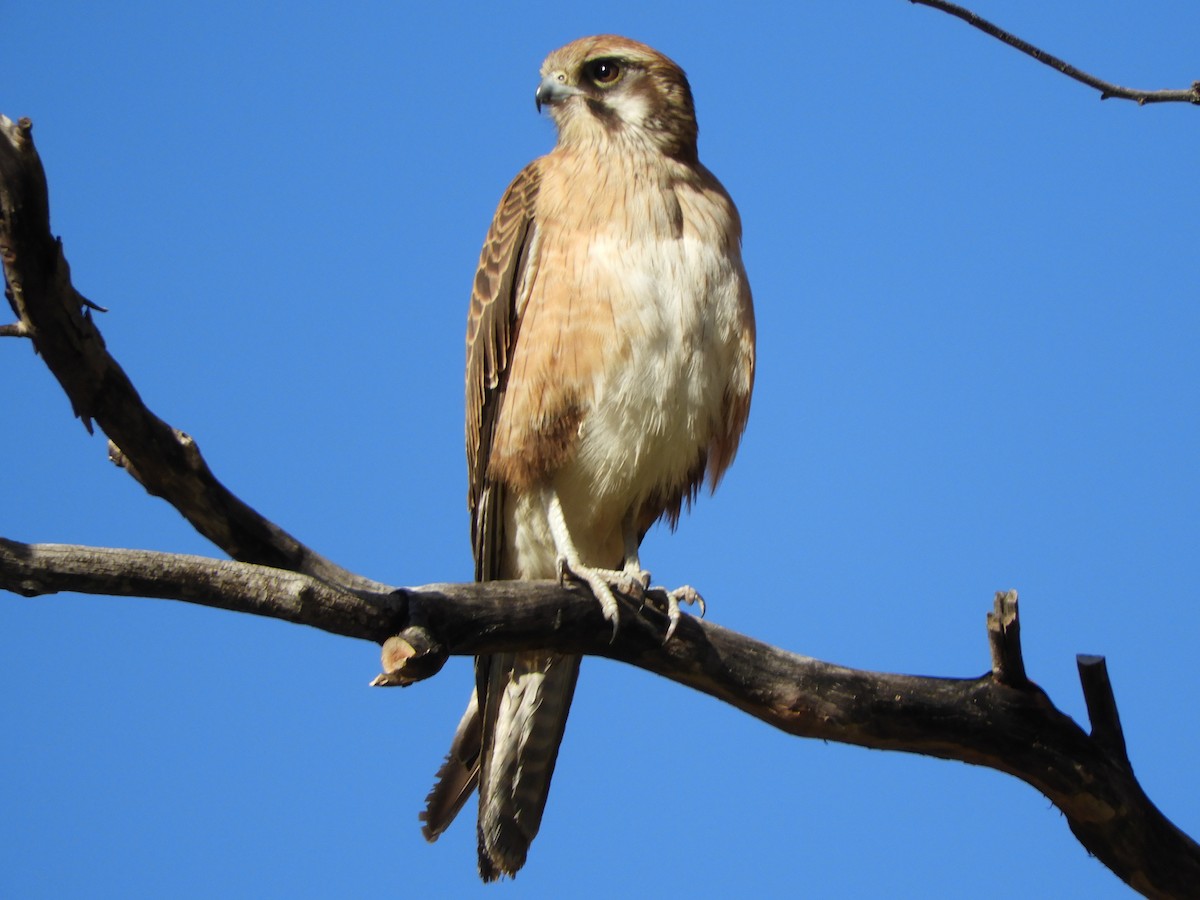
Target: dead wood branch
1011, 727
1000, 720
1106, 88
57, 318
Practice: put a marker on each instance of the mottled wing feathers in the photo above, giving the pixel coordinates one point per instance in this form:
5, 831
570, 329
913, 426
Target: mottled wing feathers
610, 360
492, 325
504, 271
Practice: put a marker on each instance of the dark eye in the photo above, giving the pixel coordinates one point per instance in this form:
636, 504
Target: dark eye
604, 71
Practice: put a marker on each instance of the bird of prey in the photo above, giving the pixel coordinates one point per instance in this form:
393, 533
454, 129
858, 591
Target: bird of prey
610, 360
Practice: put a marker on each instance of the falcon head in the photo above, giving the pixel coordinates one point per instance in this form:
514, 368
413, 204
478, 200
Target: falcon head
608, 87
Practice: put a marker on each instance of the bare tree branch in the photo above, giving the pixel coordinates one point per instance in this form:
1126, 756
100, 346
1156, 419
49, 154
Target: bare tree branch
1009, 726
57, 318
34, 569
1107, 89
1001, 720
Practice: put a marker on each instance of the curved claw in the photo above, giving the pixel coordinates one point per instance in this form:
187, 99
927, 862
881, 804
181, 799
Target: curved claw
686, 594
673, 616
596, 580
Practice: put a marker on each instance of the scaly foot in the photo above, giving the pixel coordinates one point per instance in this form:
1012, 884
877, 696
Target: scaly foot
597, 580
686, 594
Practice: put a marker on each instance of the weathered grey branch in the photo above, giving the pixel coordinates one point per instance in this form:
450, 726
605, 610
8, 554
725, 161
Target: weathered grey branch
35, 569
1106, 88
1004, 635
57, 318
1011, 727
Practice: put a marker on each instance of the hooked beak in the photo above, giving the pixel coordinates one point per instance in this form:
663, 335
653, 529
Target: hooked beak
553, 89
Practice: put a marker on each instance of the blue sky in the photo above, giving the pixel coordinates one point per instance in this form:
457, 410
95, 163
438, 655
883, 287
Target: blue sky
976, 293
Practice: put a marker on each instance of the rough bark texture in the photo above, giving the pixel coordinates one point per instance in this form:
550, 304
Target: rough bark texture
1000, 720
1009, 725
59, 321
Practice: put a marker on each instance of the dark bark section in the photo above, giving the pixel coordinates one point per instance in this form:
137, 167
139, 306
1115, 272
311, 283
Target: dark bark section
1000, 719
1009, 725
59, 321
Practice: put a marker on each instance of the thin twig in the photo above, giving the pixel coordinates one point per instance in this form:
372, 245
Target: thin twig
1107, 89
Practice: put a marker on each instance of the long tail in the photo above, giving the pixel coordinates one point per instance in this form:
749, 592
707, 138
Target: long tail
508, 749
457, 777
525, 712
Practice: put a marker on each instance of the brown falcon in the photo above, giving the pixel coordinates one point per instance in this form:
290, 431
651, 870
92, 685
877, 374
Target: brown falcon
610, 359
